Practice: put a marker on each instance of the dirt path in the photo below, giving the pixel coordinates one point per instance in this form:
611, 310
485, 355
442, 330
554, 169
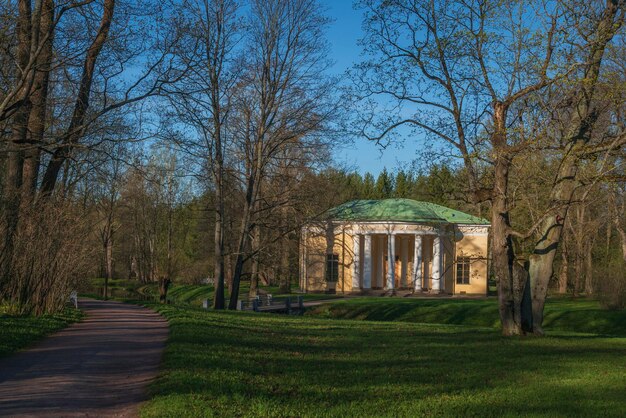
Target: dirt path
98, 367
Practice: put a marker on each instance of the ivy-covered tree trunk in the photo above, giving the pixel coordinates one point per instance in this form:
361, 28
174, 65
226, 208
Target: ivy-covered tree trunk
541, 261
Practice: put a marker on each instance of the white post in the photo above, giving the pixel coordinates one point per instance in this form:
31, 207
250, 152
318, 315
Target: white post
417, 264
356, 262
391, 262
367, 262
437, 288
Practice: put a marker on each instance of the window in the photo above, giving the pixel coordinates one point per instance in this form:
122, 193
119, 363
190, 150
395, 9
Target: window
332, 267
462, 270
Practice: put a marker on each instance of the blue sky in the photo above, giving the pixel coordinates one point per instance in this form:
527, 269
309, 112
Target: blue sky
362, 155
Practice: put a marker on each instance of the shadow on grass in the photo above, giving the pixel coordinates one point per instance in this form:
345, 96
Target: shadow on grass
17, 332
231, 363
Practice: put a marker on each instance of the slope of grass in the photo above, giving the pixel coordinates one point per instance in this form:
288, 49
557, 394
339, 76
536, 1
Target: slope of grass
191, 294
246, 364
17, 332
560, 313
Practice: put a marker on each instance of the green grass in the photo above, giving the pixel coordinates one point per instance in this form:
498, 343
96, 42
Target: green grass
562, 314
247, 364
191, 294
17, 332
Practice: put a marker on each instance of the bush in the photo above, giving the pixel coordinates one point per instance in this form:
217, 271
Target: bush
47, 258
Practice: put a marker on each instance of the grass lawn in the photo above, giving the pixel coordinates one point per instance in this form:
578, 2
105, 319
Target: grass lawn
17, 332
561, 313
247, 364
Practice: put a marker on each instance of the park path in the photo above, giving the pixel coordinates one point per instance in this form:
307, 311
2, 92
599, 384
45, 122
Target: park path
99, 367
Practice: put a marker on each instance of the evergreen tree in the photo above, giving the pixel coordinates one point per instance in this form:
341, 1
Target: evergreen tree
354, 185
369, 187
403, 184
384, 185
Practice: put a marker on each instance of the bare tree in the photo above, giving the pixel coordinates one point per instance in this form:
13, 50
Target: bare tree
64, 82
107, 202
283, 96
211, 31
472, 75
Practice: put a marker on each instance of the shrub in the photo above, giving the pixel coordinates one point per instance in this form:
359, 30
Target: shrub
48, 258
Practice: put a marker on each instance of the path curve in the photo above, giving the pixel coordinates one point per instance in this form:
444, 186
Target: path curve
99, 367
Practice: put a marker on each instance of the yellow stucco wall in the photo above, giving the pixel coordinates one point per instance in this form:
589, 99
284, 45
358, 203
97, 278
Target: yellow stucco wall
314, 254
475, 247
455, 244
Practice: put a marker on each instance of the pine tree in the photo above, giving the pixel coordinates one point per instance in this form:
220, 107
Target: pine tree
384, 185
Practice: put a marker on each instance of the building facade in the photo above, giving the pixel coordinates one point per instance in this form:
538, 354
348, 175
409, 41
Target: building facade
395, 244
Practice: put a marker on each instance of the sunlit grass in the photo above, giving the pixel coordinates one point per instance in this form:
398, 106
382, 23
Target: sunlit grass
246, 364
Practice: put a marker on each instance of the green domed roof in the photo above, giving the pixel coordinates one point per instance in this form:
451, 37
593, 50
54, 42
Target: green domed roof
401, 210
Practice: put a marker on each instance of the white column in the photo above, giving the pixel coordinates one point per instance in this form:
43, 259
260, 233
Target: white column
367, 262
437, 270
417, 264
404, 251
391, 262
356, 262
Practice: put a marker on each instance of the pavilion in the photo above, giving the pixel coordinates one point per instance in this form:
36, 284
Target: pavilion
433, 249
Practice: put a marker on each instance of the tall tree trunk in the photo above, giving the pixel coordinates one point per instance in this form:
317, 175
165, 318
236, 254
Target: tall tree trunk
108, 251
285, 277
580, 248
578, 273
507, 271
228, 272
540, 266
218, 270
617, 219
254, 180
76, 127
219, 301
242, 246
15, 150
564, 271
541, 261
254, 271
589, 268
622, 234
39, 98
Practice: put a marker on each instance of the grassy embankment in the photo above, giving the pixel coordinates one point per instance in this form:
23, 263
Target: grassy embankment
561, 313
17, 332
246, 364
